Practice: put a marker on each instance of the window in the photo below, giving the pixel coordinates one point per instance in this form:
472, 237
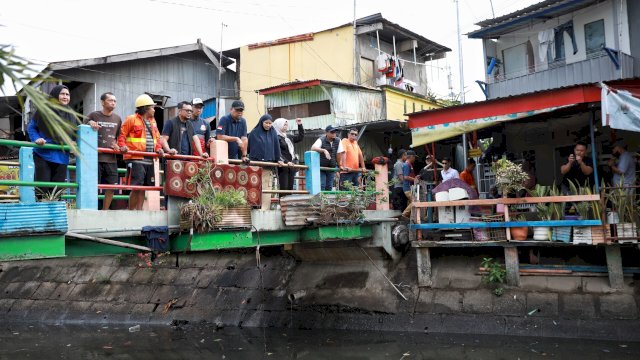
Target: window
316, 108
594, 36
515, 61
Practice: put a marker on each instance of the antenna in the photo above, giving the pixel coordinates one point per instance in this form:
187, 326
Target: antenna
222, 26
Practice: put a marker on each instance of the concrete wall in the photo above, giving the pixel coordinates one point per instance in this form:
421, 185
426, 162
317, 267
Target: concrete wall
328, 56
617, 36
332, 287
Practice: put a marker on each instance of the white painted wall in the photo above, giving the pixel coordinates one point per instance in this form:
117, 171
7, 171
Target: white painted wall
611, 11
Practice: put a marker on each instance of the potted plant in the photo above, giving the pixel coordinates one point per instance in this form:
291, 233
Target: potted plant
624, 214
544, 212
581, 234
519, 232
558, 233
210, 209
599, 233
509, 177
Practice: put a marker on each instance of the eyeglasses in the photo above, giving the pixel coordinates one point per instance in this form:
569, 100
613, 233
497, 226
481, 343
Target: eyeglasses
187, 110
354, 134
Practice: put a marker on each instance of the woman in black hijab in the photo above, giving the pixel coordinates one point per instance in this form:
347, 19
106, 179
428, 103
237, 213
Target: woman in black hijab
51, 165
263, 141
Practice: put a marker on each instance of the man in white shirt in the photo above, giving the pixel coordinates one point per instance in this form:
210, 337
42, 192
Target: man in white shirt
447, 171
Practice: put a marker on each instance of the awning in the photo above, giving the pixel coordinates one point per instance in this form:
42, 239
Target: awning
621, 107
434, 125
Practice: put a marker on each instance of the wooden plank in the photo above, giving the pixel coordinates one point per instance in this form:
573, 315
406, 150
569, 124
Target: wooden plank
486, 225
513, 265
614, 266
424, 267
509, 201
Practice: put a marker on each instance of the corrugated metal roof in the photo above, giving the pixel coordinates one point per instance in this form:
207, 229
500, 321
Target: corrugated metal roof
33, 218
535, 13
301, 84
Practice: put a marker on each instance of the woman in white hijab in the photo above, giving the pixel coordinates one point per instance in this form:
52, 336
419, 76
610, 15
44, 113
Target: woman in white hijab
287, 152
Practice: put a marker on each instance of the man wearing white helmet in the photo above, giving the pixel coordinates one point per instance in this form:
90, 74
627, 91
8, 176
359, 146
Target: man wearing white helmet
139, 132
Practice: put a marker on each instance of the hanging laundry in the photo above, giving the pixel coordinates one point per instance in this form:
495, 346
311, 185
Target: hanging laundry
398, 72
392, 68
382, 63
559, 32
545, 40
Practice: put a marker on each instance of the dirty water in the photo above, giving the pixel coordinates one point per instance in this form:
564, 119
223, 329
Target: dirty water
20, 341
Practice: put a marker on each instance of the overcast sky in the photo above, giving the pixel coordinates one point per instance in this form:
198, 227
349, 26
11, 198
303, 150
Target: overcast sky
47, 31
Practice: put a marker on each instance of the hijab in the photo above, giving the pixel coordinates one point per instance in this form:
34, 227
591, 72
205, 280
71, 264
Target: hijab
279, 125
264, 144
44, 124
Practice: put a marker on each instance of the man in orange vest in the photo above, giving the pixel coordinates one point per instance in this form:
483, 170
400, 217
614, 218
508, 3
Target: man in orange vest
139, 132
351, 159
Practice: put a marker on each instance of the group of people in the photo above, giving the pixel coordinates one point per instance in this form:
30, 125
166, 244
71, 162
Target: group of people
186, 134
404, 177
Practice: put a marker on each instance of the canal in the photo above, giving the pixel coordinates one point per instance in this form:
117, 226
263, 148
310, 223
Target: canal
20, 341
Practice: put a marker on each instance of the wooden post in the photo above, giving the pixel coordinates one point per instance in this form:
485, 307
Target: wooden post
267, 180
512, 264
27, 172
614, 266
312, 174
152, 198
87, 168
506, 218
382, 187
424, 267
219, 150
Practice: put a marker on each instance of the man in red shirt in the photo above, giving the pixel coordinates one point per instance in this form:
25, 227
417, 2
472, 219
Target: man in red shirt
467, 174
351, 159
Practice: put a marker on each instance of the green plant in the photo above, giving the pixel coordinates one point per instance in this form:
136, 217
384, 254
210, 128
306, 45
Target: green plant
346, 206
48, 196
543, 210
556, 208
205, 209
583, 208
623, 203
495, 273
14, 69
509, 176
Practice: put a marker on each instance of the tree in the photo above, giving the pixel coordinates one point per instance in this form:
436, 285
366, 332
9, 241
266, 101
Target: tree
16, 69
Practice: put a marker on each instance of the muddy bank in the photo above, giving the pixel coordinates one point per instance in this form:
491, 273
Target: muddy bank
332, 288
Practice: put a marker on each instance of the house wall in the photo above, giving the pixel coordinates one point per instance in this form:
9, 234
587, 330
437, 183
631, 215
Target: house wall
612, 11
398, 104
329, 56
181, 76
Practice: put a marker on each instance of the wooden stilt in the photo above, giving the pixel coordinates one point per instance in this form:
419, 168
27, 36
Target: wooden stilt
614, 266
424, 267
513, 265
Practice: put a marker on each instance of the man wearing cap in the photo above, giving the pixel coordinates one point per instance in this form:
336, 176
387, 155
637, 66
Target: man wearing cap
201, 128
408, 178
622, 165
232, 128
329, 146
351, 159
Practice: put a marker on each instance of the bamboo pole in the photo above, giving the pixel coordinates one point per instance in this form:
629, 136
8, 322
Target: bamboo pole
109, 242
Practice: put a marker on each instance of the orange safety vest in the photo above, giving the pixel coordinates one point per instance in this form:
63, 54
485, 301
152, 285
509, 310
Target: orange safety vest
133, 135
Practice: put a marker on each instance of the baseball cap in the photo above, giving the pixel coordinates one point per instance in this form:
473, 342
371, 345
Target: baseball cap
197, 101
237, 104
411, 153
330, 128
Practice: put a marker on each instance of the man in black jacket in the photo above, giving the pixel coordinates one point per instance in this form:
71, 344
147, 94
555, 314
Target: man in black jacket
329, 146
178, 132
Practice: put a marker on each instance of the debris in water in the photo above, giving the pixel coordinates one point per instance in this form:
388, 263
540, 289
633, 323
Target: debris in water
107, 347
134, 328
555, 323
605, 350
202, 341
623, 346
533, 311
